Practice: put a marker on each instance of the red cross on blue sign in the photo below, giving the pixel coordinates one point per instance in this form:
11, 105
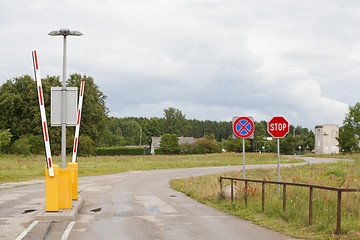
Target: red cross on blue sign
243, 127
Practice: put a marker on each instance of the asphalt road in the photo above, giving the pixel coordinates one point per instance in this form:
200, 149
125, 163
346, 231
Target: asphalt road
132, 205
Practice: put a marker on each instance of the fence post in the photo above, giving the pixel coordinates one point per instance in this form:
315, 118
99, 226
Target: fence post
338, 222
284, 198
263, 196
246, 188
310, 205
232, 189
221, 186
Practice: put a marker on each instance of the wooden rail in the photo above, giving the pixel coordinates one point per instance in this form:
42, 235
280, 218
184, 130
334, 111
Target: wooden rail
284, 184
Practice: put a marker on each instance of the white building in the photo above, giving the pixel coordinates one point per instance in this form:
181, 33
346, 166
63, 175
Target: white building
325, 139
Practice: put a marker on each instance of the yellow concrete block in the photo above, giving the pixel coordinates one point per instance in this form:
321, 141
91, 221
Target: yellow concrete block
65, 199
52, 190
74, 166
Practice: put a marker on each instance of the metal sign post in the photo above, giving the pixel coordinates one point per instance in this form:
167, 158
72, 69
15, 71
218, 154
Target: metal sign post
243, 140
243, 127
278, 127
278, 160
63, 125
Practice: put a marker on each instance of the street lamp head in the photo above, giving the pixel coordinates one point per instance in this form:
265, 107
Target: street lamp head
65, 32
54, 33
75, 33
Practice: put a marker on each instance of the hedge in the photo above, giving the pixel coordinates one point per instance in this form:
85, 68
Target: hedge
116, 151
158, 151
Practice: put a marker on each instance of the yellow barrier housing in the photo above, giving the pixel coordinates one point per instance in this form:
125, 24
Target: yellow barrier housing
65, 198
61, 189
74, 165
52, 190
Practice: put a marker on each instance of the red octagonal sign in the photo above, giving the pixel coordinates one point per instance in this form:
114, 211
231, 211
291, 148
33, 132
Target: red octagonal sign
278, 127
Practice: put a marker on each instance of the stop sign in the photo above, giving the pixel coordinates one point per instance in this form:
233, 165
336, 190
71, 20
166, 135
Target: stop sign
278, 127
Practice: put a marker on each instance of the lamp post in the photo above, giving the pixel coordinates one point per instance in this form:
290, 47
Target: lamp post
140, 135
64, 32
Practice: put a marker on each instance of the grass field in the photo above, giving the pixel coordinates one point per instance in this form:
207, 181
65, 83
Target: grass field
294, 222
353, 156
206, 188
19, 168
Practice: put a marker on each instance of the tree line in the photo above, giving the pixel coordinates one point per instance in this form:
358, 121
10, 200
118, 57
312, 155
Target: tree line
136, 131
21, 132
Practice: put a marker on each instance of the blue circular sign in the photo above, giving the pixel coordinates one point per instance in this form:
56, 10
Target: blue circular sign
243, 127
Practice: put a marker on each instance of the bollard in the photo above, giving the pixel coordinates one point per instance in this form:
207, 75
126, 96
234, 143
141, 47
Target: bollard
74, 187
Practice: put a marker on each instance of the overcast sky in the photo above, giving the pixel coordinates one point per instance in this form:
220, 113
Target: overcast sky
212, 59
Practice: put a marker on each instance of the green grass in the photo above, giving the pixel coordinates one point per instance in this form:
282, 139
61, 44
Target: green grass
295, 221
19, 168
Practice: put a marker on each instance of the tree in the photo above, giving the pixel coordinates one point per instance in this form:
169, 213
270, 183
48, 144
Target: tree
260, 129
169, 144
150, 128
261, 144
19, 107
94, 115
112, 135
175, 123
210, 137
221, 130
348, 141
236, 145
306, 141
21, 115
350, 131
130, 129
287, 144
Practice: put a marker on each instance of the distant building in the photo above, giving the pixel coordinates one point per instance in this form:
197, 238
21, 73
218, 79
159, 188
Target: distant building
325, 139
155, 142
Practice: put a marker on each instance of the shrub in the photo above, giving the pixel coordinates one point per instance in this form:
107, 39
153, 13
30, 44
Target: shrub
36, 143
5, 138
86, 146
21, 146
117, 151
204, 146
186, 148
158, 151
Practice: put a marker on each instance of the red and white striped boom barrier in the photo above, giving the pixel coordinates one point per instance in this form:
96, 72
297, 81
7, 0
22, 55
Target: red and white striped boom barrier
77, 128
43, 115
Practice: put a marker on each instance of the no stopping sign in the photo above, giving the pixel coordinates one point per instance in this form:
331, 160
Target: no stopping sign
243, 127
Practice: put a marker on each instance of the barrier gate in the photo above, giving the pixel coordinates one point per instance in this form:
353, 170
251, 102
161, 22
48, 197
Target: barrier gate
61, 185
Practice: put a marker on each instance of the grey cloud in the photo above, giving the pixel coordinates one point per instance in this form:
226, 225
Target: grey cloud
211, 59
